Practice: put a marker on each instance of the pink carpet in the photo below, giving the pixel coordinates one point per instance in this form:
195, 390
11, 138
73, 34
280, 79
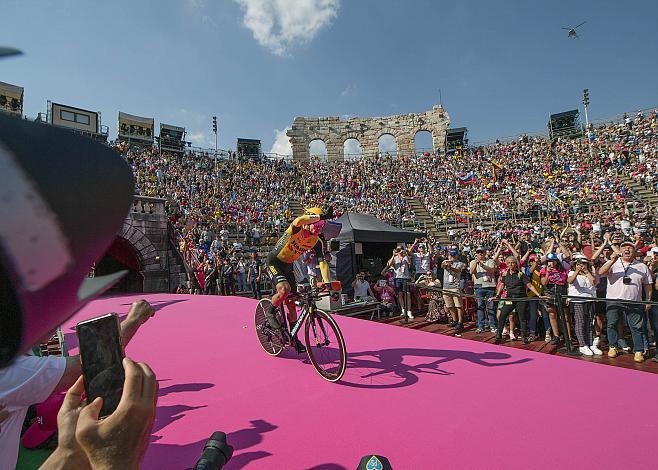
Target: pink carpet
423, 400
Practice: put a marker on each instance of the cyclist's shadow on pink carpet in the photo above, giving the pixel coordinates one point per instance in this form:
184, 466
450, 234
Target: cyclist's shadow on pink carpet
387, 368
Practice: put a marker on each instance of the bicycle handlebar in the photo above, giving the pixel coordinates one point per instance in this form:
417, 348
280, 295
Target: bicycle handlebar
321, 289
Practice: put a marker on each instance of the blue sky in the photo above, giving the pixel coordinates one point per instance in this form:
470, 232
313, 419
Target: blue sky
502, 66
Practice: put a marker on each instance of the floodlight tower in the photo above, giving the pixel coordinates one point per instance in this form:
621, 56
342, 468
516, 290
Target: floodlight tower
214, 129
586, 104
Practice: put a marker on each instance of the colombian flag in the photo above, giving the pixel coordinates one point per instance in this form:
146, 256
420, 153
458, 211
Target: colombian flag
463, 216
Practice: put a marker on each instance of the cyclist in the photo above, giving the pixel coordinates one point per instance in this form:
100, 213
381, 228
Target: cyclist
304, 234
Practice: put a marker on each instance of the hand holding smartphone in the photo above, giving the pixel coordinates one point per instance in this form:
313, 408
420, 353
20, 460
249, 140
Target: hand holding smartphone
101, 356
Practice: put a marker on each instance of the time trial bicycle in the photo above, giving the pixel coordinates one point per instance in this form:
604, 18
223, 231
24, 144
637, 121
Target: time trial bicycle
324, 341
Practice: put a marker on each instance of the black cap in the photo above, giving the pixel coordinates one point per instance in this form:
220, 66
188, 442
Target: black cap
64, 198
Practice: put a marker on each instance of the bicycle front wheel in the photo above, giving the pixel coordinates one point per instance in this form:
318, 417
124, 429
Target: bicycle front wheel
325, 346
271, 340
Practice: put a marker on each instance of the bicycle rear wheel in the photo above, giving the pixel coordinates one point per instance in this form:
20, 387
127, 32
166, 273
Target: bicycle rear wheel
325, 346
271, 340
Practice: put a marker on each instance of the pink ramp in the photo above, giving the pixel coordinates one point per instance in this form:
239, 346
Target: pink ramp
423, 400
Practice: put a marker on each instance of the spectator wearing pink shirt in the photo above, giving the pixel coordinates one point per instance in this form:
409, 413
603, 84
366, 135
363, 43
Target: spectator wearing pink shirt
554, 280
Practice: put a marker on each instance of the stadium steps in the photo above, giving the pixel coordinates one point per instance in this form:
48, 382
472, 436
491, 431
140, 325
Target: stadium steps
296, 207
645, 195
424, 216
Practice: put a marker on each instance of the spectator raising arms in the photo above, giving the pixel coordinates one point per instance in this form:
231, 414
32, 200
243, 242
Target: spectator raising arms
627, 280
452, 272
401, 266
582, 283
515, 284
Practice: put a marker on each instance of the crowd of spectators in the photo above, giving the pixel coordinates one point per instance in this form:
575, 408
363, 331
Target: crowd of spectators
604, 260
224, 208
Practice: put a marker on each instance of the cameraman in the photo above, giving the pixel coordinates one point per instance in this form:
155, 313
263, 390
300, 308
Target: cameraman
627, 278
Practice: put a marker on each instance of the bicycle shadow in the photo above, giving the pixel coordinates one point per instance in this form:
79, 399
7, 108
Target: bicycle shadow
386, 368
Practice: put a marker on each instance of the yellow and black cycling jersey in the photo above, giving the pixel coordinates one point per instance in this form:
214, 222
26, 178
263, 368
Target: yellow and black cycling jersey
296, 241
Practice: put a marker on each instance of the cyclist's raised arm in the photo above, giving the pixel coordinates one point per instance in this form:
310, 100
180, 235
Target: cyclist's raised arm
305, 220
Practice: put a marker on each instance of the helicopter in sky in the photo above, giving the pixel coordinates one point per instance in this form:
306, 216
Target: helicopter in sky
572, 31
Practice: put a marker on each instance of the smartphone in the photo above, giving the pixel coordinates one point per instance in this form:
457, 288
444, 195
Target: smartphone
101, 356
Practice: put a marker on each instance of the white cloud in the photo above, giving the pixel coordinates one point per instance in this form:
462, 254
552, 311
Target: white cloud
281, 145
201, 139
279, 25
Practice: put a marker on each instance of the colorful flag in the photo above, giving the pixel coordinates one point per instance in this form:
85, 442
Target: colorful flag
469, 178
463, 217
495, 166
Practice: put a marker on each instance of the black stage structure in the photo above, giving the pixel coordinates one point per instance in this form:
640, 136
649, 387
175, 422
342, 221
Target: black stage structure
366, 243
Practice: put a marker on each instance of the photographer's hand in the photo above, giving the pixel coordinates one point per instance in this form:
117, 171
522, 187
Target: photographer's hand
68, 454
120, 440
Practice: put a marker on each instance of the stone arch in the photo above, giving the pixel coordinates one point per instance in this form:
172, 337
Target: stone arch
383, 144
144, 248
122, 256
424, 145
322, 151
352, 149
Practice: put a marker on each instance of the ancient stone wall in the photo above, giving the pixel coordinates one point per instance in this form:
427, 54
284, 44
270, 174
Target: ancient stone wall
145, 228
335, 131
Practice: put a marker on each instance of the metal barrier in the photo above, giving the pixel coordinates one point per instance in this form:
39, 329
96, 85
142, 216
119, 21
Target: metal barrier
558, 301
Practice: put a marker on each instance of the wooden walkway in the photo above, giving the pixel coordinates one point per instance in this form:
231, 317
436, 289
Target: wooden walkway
623, 360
